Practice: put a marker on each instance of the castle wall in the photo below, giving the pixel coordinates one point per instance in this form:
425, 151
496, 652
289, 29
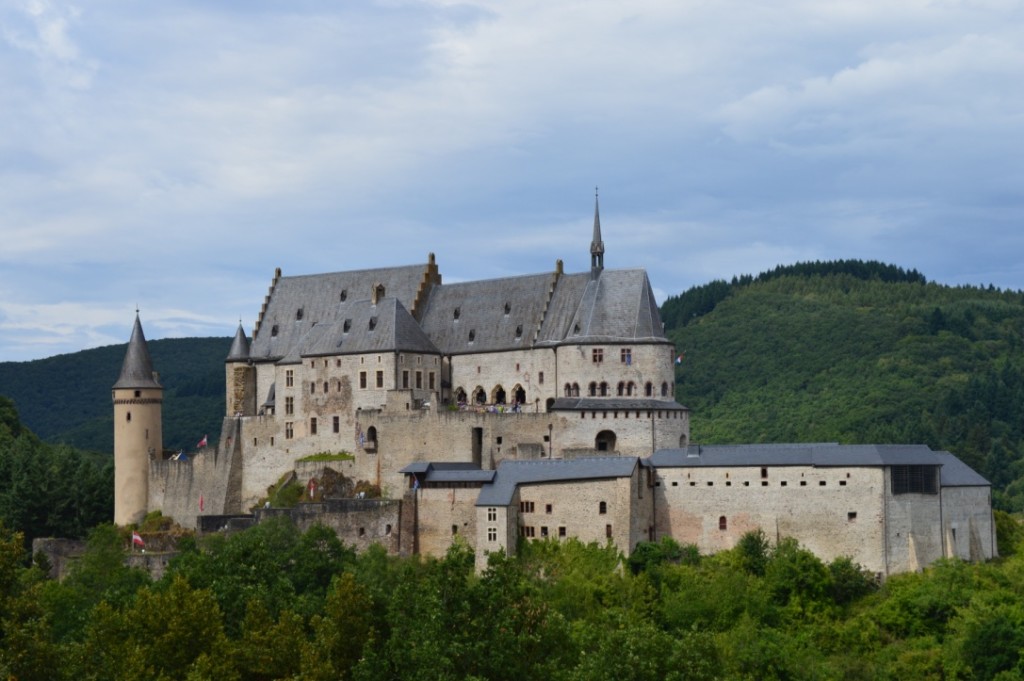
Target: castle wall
833, 512
913, 529
533, 370
138, 442
497, 530
967, 523
359, 523
444, 516
647, 363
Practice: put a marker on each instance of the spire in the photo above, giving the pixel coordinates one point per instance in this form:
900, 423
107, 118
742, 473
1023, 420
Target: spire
596, 244
137, 370
239, 351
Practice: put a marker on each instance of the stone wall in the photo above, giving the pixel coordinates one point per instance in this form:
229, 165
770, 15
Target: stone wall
359, 523
444, 516
967, 523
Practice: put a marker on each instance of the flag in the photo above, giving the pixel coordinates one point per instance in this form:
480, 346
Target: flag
136, 539
202, 443
200, 502
679, 359
415, 482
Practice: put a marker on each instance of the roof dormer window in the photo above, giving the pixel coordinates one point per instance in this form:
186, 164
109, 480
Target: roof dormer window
343, 296
472, 335
456, 314
373, 323
298, 314
346, 326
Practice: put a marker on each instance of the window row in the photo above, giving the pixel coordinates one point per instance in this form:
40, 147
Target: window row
625, 355
764, 483
496, 396
623, 389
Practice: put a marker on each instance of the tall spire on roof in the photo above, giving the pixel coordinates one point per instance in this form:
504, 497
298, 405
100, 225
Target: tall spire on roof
137, 369
596, 244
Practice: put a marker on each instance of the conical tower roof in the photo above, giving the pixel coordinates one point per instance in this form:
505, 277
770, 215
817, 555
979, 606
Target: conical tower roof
137, 370
239, 346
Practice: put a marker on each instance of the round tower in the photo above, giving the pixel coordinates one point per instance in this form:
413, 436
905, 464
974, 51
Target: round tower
138, 429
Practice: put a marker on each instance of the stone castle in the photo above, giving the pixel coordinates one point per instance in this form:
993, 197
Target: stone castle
525, 407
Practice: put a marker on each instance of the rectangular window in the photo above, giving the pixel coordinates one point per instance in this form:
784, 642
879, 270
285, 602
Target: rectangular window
289, 406
547, 508
915, 480
405, 379
608, 531
430, 381
289, 430
492, 515
540, 376
336, 424
362, 379
561, 531
626, 355
526, 507
528, 531
380, 379
312, 388
492, 534
543, 531
289, 378
419, 380
598, 355
312, 426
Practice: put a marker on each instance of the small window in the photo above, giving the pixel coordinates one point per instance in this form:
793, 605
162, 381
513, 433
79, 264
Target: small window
498, 440
362, 531
821, 483
455, 530
347, 326
472, 335
782, 483
343, 296
543, 531
508, 308
519, 331
851, 516
273, 330
362, 380
803, 483
561, 531
289, 430
764, 472
597, 355
373, 323
336, 424
626, 356
380, 379
312, 426
492, 534
608, 531
456, 314
547, 508
298, 314
842, 483
602, 507
723, 523
138, 393
675, 483
492, 515
540, 377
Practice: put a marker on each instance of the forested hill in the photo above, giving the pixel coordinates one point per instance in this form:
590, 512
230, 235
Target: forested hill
857, 353
67, 398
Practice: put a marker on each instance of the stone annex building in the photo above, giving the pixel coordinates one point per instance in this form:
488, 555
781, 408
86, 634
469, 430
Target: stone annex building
526, 407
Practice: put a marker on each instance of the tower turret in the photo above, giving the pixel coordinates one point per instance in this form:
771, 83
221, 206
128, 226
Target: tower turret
240, 377
138, 429
596, 244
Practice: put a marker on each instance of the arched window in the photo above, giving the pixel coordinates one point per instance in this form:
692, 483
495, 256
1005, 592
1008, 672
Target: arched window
664, 389
519, 394
621, 389
648, 389
682, 440
371, 438
480, 395
723, 524
575, 389
550, 403
568, 390
630, 388
602, 507
460, 396
592, 389
604, 389
498, 395
605, 441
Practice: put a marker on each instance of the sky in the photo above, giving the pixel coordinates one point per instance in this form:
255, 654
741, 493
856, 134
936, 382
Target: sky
168, 156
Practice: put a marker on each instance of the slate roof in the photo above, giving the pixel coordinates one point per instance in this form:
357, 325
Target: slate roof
492, 310
319, 297
616, 306
615, 403
137, 368
386, 326
444, 471
822, 454
511, 474
955, 473
239, 346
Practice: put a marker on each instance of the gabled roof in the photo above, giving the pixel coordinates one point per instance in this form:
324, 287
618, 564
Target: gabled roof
137, 368
384, 327
445, 471
498, 314
615, 306
297, 304
511, 474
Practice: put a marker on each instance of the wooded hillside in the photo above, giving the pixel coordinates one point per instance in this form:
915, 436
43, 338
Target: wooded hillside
857, 353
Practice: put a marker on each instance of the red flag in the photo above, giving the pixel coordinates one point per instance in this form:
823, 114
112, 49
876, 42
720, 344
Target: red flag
137, 540
200, 502
202, 443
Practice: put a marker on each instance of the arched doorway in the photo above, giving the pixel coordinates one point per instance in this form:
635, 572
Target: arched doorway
605, 441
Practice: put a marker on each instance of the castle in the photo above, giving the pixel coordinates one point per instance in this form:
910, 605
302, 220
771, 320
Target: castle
531, 406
